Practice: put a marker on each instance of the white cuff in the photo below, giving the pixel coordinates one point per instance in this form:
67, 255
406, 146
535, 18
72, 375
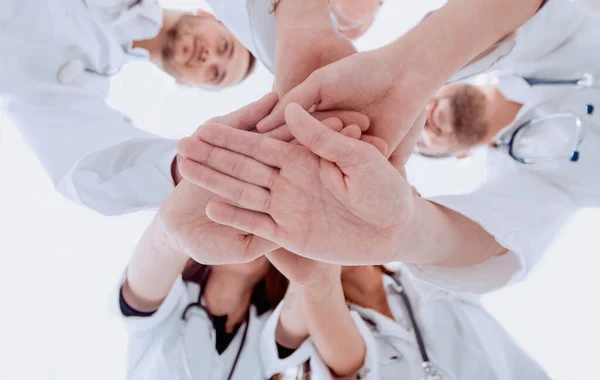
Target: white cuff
269, 354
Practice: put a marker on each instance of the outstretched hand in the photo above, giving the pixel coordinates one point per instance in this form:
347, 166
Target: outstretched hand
183, 215
335, 199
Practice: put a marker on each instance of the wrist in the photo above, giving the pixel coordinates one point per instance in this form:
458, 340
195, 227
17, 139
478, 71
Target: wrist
160, 241
405, 233
321, 291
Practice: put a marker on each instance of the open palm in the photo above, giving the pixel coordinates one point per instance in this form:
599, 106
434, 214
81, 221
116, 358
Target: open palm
184, 217
336, 199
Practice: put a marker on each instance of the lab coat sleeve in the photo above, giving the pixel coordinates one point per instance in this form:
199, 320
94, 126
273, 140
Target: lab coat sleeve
319, 369
269, 355
92, 154
522, 212
156, 343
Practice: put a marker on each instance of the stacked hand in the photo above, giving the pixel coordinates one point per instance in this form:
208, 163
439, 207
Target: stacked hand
183, 215
335, 199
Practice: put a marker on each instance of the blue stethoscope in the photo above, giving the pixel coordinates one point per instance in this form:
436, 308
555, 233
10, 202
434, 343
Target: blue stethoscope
586, 81
509, 142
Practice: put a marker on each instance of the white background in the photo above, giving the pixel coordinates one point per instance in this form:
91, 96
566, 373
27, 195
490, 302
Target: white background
59, 262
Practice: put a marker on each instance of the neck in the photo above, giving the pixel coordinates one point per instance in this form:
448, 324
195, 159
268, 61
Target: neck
500, 111
363, 286
154, 45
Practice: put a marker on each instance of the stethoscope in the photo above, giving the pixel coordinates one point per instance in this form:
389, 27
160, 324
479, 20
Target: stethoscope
508, 139
198, 304
430, 371
588, 80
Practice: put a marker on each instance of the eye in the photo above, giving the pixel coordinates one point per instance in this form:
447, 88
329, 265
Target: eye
224, 46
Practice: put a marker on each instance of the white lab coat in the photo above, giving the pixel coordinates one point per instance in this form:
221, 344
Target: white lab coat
58, 57
252, 24
525, 207
461, 339
165, 347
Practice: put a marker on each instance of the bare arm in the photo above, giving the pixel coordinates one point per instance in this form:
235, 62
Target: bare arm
451, 37
291, 329
153, 269
436, 235
332, 329
315, 306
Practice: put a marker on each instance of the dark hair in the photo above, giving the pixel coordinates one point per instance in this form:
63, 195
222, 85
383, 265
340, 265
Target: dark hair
251, 66
267, 294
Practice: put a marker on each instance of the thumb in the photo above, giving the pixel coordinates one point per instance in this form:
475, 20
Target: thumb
322, 141
248, 116
306, 94
403, 151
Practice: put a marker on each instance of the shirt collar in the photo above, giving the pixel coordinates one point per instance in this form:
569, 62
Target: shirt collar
130, 20
515, 89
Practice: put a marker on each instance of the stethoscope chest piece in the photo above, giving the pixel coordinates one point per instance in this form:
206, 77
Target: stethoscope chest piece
430, 372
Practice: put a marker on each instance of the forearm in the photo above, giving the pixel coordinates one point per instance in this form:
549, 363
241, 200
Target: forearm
332, 329
305, 13
436, 235
153, 269
291, 329
452, 36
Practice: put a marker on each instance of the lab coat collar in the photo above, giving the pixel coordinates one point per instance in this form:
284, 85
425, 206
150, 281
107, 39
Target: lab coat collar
140, 22
384, 326
131, 20
514, 88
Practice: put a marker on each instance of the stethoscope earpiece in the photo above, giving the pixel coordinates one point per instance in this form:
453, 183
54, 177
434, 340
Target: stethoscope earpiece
575, 156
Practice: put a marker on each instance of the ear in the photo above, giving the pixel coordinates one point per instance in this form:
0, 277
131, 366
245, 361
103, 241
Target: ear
202, 13
465, 154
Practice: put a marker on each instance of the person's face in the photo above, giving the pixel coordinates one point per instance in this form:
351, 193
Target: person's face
455, 121
199, 51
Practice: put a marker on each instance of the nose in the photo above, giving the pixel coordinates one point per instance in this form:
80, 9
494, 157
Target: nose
184, 49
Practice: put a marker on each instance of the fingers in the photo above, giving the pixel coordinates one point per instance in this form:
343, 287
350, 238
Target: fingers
251, 222
248, 116
329, 145
224, 161
352, 131
377, 142
254, 247
306, 95
347, 117
283, 133
243, 194
264, 149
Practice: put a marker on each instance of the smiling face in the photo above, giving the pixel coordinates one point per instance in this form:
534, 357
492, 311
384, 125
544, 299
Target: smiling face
199, 51
456, 121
